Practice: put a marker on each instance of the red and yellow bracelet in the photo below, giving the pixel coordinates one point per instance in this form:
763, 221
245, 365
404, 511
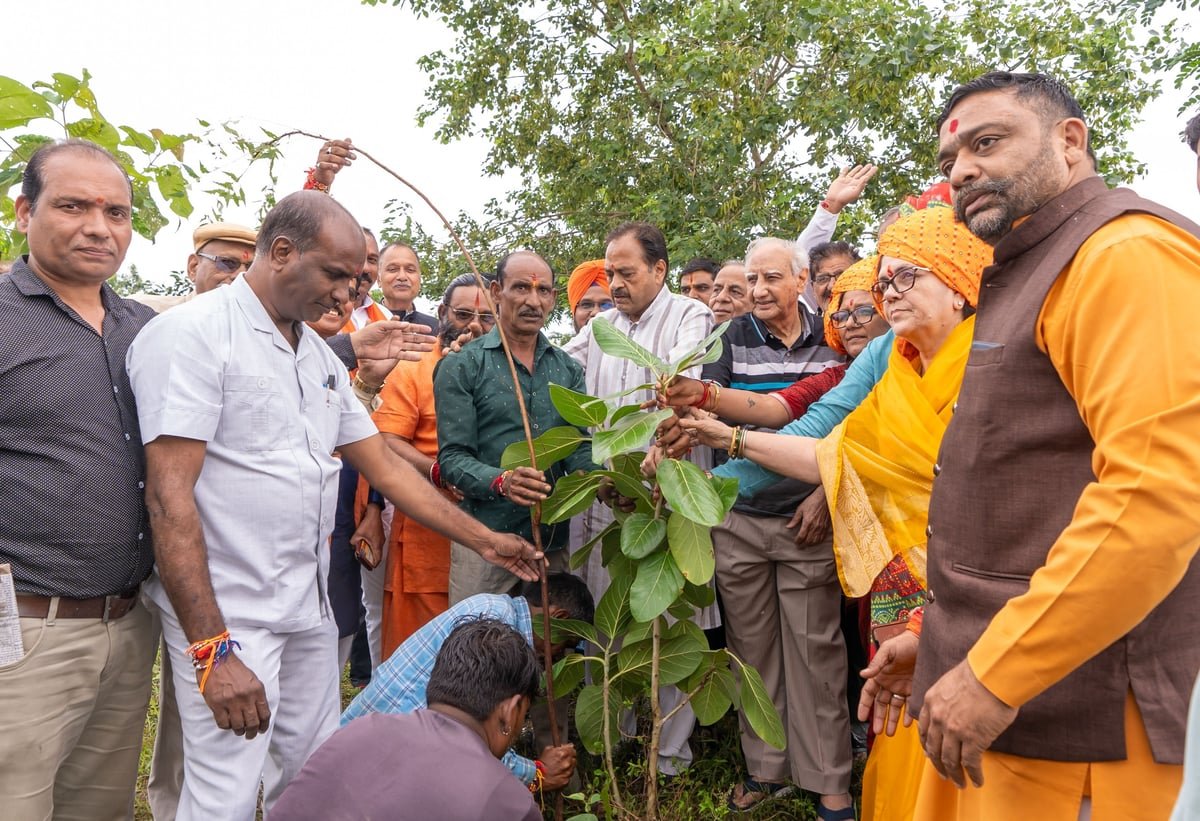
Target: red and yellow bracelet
539, 777
209, 653
311, 183
499, 482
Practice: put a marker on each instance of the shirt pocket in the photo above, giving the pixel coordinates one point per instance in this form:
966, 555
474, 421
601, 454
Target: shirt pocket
252, 415
985, 353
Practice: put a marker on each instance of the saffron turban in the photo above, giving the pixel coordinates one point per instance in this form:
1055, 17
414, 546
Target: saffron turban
934, 239
858, 277
584, 276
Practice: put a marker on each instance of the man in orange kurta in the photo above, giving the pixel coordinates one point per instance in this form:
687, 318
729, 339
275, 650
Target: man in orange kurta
418, 559
1117, 326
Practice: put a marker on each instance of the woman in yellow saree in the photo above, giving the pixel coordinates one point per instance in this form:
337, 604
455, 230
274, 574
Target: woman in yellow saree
878, 467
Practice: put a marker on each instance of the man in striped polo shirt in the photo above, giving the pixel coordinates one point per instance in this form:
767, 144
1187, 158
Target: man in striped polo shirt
775, 566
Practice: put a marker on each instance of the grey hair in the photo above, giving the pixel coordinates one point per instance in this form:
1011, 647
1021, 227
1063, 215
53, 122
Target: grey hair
795, 251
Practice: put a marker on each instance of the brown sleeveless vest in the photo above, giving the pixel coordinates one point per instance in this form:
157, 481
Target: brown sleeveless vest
1013, 463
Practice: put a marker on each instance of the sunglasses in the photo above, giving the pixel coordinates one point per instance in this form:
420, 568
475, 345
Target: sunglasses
463, 315
226, 265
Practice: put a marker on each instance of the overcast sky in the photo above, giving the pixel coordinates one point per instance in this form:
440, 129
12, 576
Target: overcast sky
337, 68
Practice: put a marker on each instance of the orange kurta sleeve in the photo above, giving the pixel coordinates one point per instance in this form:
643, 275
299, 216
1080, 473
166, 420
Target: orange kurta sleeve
1120, 327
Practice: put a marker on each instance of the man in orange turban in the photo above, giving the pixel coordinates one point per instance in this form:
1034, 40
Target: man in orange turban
587, 292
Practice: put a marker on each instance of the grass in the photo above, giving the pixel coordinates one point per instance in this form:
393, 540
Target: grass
698, 793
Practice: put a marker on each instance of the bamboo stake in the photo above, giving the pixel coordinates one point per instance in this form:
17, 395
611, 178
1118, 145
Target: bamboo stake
536, 510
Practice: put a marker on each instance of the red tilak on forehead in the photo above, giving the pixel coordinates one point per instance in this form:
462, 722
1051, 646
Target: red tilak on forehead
953, 126
100, 201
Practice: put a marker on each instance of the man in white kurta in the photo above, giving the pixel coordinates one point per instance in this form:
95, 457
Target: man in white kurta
241, 407
669, 326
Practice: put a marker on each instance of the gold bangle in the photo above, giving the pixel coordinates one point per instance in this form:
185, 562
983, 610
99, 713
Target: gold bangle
361, 386
733, 442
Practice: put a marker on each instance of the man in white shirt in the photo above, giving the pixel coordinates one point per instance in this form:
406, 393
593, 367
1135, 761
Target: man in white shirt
669, 325
241, 406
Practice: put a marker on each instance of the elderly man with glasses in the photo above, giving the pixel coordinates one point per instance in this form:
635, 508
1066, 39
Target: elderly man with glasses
222, 251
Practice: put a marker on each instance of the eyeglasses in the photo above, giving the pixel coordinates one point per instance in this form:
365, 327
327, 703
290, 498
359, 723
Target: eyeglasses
825, 279
463, 315
901, 281
859, 316
588, 305
226, 265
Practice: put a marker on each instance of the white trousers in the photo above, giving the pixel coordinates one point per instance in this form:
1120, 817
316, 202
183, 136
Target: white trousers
222, 771
674, 752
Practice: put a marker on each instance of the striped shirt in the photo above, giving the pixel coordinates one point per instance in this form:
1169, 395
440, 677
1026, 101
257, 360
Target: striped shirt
756, 360
398, 684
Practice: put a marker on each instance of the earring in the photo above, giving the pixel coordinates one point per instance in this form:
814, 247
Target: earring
504, 731
958, 304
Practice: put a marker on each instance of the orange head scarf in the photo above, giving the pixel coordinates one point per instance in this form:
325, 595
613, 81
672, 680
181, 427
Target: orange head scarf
858, 277
584, 276
933, 239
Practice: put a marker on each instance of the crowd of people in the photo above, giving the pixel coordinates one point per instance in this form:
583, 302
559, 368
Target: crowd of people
967, 498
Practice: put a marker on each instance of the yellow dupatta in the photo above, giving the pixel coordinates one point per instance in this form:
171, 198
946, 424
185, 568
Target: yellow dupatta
877, 465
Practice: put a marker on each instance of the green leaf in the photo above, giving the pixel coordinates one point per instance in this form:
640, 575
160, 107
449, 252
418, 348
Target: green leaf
628, 486
623, 411
692, 548
703, 353
20, 104
631, 433
552, 446
610, 547
757, 707
699, 595
710, 686
579, 556
173, 187
578, 408
727, 491
142, 142
679, 653
615, 343
96, 130
565, 629
572, 494
612, 613
688, 491
568, 673
589, 718
641, 630
641, 535
657, 585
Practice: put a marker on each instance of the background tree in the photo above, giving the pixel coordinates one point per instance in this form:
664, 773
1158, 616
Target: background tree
65, 106
718, 120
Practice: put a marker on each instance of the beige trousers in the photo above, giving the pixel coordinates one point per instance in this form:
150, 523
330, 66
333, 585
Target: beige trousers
782, 616
72, 712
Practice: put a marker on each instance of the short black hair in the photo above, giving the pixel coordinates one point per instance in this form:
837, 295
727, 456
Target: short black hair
700, 264
566, 591
824, 250
1191, 134
648, 235
480, 664
1048, 95
298, 217
33, 178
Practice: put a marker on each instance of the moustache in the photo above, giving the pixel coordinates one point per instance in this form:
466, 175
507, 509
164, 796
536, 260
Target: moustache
531, 314
964, 195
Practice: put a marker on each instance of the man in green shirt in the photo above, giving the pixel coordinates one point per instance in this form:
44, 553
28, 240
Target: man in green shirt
478, 417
